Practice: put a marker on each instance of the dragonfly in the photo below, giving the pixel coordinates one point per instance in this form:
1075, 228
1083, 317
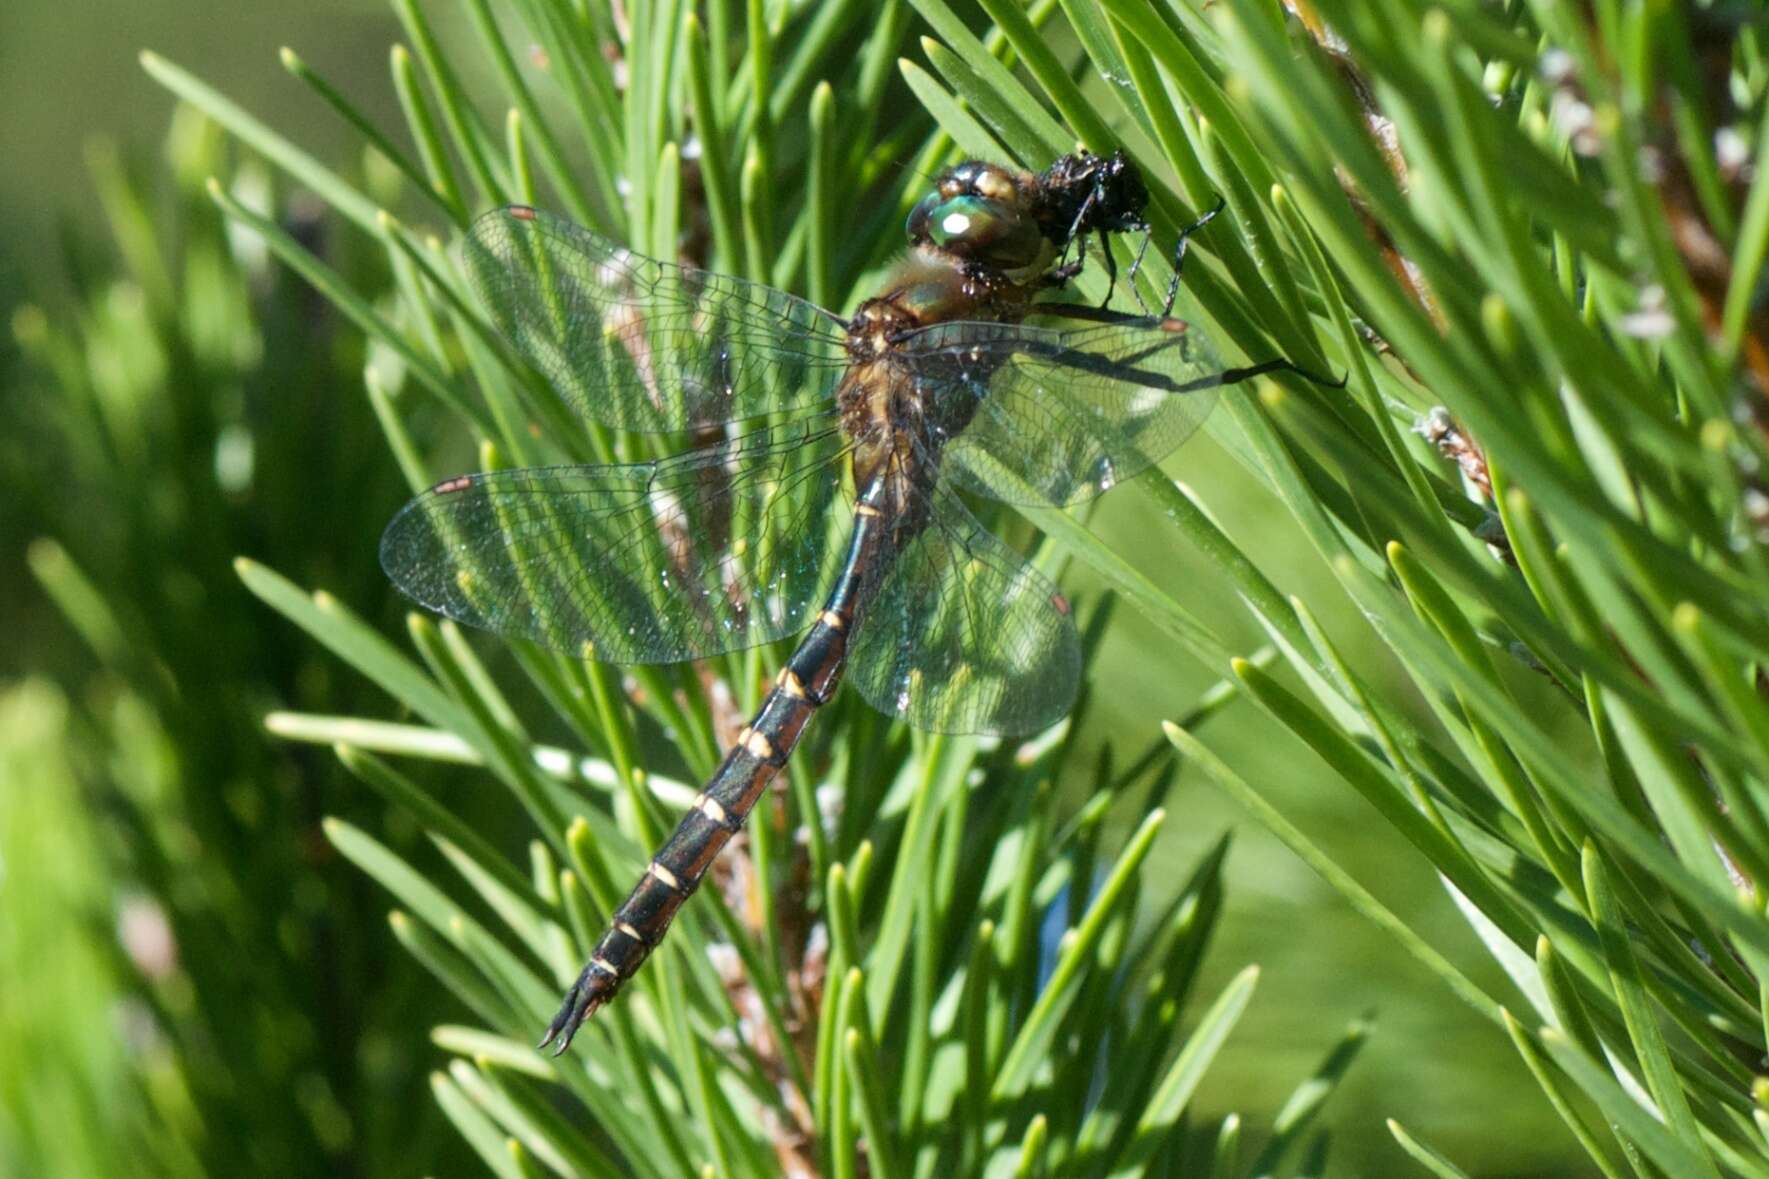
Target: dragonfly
833, 503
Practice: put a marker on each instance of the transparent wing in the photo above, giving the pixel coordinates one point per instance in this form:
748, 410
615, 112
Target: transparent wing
641, 344
712, 550
962, 635
1033, 415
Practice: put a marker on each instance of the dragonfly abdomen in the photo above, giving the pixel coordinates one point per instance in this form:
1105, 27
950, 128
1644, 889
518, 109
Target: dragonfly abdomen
808, 680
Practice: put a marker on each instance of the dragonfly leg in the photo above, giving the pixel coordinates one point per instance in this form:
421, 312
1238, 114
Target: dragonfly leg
1136, 265
1075, 235
1062, 274
1179, 253
1105, 250
1102, 314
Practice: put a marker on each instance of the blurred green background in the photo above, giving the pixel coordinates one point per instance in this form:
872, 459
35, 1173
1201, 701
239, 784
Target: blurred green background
126, 804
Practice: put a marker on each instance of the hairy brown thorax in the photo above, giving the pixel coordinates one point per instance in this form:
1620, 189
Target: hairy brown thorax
882, 407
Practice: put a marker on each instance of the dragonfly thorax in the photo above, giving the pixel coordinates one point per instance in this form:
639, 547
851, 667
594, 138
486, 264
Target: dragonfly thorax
932, 285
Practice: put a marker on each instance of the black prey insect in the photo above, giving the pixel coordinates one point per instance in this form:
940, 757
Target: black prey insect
831, 505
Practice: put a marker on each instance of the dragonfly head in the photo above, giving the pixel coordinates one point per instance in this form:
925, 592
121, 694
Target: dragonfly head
980, 213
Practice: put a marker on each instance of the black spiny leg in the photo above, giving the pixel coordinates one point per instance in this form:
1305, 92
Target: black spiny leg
1062, 274
1105, 250
1125, 369
1101, 315
1075, 234
1136, 264
1179, 253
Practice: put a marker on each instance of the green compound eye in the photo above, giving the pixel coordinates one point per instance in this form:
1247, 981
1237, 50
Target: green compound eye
977, 228
964, 220
917, 225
